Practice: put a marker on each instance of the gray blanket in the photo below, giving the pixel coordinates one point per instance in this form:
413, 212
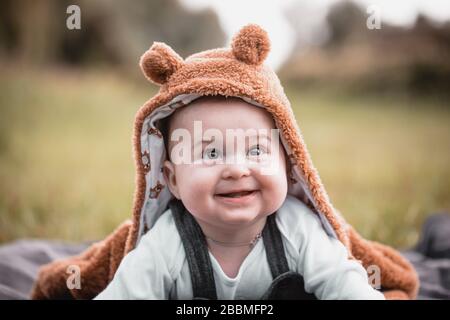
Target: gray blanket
20, 261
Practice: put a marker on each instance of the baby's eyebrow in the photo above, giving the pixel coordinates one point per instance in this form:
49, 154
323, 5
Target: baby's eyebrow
253, 136
259, 136
258, 139
203, 141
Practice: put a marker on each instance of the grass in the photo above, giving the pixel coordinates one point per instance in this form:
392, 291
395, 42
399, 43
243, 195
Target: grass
384, 161
67, 172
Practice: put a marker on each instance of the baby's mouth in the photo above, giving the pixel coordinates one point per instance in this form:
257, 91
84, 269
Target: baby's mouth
238, 194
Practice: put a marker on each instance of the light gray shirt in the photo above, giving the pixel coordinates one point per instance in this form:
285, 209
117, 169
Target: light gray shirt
157, 268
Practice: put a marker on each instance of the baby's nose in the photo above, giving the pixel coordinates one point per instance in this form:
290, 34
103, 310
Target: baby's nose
235, 170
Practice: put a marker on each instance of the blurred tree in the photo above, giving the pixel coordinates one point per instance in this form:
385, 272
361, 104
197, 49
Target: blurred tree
164, 20
412, 59
112, 31
347, 22
26, 29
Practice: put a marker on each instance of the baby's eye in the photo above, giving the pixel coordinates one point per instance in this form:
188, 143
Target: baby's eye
211, 153
255, 151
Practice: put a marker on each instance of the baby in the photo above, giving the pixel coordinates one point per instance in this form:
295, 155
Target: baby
231, 223
228, 204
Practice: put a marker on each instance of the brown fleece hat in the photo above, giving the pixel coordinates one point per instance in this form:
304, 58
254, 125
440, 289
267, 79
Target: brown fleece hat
238, 71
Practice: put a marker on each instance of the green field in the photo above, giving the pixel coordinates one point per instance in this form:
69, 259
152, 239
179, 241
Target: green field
67, 172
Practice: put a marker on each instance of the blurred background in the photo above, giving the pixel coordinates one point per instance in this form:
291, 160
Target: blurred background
373, 104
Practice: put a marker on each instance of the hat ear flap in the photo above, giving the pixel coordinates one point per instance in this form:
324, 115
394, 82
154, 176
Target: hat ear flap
251, 45
159, 62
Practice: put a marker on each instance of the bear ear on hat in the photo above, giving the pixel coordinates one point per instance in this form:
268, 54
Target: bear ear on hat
251, 45
159, 62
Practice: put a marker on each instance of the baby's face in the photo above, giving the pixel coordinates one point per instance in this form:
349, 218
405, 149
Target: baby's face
223, 186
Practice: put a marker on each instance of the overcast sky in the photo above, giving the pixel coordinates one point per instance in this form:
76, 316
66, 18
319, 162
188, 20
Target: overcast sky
270, 14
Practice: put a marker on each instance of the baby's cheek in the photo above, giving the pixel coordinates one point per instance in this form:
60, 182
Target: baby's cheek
274, 189
196, 186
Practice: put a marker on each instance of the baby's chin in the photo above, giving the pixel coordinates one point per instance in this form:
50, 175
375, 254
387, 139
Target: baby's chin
239, 216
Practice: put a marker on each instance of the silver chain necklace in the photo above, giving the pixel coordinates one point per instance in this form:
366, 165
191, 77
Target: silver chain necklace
237, 244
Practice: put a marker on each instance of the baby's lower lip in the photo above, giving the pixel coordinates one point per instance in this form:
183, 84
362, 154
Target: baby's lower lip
237, 200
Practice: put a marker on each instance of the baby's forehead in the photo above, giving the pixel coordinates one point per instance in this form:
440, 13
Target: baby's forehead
222, 112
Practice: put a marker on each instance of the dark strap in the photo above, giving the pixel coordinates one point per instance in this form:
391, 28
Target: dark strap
197, 254
274, 247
